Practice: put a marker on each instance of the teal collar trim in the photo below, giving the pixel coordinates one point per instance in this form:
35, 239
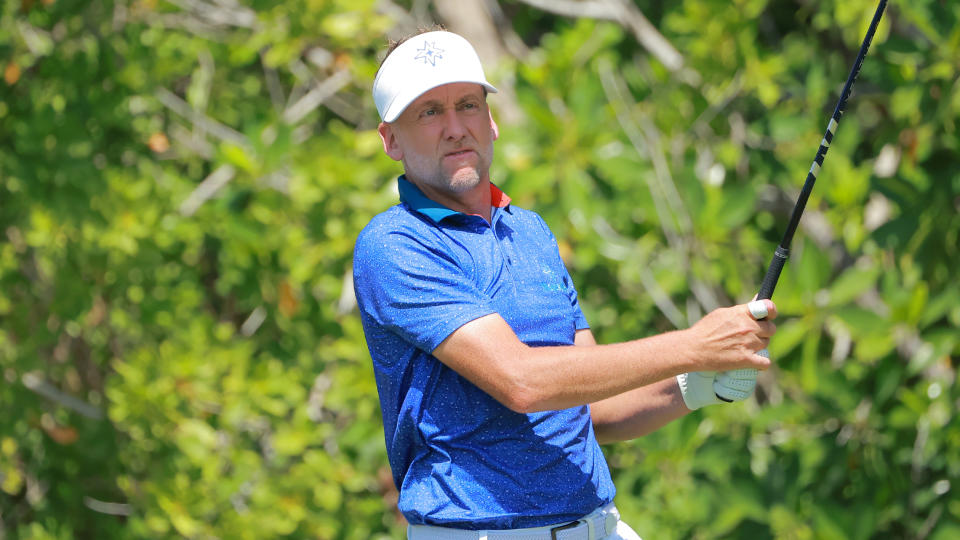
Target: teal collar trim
416, 200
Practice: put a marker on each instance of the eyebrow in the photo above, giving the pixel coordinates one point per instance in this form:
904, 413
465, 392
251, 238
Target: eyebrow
436, 102
431, 103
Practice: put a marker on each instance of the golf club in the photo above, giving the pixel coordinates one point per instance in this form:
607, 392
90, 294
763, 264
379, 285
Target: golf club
783, 250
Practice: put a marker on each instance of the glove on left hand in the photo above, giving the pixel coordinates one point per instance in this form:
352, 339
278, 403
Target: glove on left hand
700, 388
696, 388
735, 385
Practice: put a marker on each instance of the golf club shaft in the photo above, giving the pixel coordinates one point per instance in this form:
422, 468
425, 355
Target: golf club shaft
782, 253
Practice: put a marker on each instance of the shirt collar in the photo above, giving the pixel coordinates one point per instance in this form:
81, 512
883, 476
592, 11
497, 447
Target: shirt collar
416, 200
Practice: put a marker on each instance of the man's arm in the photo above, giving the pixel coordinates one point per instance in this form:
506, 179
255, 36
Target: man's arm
526, 379
637, 412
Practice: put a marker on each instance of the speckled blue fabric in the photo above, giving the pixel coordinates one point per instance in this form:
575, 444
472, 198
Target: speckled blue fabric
460, 458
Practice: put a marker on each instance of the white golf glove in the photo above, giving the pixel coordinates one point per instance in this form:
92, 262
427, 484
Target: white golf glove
701, 388
735, 385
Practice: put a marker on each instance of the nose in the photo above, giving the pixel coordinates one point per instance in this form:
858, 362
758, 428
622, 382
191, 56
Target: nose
453, 126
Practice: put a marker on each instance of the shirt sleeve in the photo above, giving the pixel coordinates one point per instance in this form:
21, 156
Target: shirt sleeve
581, 319
408, 284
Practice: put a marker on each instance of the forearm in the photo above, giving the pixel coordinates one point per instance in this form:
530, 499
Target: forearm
530, 379
637, 412
487, 352
562, 377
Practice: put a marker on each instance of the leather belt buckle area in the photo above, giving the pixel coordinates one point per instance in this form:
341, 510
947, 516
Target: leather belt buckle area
558, 528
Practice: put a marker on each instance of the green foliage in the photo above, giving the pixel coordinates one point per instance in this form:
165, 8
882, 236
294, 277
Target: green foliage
180, 190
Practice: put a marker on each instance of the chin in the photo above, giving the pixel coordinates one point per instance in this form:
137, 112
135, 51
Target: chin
463, 181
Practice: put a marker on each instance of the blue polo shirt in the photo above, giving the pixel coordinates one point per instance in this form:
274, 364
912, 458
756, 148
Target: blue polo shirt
459, 457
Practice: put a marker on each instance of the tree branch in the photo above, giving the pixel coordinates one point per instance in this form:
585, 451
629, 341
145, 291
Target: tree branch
629, 16
225, 14
273, 84
181, 107
316, 96
210, 185
35, 382
646, 139
113, 509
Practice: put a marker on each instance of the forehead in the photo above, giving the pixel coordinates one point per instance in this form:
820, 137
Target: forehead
451, 92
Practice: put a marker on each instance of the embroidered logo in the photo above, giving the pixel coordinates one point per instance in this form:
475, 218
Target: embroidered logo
430, 53
553, 282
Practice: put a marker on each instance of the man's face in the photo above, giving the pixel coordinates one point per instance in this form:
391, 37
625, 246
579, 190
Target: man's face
444, 138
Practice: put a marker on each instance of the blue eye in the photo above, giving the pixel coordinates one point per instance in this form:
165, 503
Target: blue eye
469, 106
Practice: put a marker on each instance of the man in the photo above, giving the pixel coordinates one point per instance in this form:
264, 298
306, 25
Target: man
494, 394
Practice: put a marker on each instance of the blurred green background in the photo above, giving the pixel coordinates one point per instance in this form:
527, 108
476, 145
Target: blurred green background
182, 181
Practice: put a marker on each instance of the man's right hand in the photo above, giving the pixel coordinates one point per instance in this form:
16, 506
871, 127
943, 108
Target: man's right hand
729, 338
728, 335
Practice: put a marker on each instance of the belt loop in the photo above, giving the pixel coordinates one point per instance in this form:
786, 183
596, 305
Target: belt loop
482, 535
610, 521
571, 525
591, 529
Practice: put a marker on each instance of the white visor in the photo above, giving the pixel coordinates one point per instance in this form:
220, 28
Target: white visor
422, 63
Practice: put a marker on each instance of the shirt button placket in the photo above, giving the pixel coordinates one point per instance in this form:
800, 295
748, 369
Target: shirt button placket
506, 250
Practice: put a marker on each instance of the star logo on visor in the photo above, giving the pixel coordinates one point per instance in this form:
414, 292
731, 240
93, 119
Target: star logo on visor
429, 53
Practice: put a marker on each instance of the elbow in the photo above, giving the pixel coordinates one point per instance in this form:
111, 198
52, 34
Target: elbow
520, 395
521, 400
526, 396
515, 383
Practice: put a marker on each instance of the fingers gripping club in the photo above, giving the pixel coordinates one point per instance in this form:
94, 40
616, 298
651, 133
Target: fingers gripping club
738, 384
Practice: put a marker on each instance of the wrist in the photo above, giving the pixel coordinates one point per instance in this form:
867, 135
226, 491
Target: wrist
685, 343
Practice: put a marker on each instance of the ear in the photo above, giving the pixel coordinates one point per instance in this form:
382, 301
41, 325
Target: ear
493, 127
389, 138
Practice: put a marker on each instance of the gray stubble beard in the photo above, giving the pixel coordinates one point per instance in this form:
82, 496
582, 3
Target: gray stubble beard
460, 181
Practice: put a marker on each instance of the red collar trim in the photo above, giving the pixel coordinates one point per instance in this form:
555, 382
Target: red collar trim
498, 198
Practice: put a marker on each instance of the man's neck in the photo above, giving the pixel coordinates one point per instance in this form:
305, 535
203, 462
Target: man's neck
475, 201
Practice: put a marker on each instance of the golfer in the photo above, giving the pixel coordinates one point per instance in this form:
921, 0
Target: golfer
495, 396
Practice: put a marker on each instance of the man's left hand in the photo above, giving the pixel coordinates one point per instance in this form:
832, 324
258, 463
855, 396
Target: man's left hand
735, 385
697, 387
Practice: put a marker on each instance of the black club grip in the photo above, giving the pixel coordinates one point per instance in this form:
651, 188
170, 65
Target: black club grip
769, 283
